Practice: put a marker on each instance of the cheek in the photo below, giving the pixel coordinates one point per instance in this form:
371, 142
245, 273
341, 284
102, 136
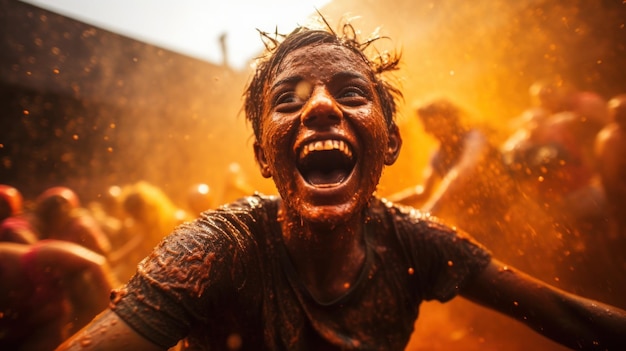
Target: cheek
276, 141
376, 129
276, 136
375, 147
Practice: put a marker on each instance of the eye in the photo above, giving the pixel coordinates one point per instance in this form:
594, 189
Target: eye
285, 98
353, 96
287, 101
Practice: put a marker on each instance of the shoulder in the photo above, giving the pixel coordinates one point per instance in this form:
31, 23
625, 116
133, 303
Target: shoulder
440, 256
257, 203
409, 216
230, 227
216, 253
419, 228
246, 213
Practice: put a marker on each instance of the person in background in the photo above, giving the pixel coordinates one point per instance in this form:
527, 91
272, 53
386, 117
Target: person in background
149, 215
552, 160
50, 289
108, 212
325, 265
465, 172
551, 151
610, 148
58, 214
14, 225
550, 97
466, 181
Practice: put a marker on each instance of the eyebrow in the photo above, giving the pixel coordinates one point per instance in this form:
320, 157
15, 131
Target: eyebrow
289, 80
338, 76
350, 75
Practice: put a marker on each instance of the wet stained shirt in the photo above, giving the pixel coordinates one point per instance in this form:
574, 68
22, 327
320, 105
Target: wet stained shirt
225, 282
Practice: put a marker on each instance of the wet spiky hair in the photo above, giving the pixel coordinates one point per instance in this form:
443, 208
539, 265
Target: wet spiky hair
278, 46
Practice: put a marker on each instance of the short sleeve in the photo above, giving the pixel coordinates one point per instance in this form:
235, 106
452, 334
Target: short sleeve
175, 287
444, 258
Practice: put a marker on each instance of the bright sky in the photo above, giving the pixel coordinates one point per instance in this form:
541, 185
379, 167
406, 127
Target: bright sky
191, 27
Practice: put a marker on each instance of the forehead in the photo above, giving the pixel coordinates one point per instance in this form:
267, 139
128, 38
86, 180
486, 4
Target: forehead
322, 60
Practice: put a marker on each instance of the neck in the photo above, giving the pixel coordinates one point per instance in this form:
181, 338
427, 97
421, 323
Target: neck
328, 259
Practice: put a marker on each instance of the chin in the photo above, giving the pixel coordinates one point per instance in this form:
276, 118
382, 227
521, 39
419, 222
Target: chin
331, 215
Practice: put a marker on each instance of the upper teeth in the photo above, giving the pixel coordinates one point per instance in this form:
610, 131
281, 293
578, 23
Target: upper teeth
321, 145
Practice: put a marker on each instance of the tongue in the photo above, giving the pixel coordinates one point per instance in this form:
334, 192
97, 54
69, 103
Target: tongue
326, 178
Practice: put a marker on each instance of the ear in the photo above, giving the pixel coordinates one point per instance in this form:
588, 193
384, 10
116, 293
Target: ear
394, 143
259, 155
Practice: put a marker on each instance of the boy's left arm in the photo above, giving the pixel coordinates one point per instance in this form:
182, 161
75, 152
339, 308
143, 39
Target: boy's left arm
568, 319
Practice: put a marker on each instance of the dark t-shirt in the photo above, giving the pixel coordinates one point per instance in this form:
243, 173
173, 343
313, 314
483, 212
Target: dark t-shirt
225, 281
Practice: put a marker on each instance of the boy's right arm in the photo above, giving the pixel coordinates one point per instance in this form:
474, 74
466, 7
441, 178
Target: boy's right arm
107, 332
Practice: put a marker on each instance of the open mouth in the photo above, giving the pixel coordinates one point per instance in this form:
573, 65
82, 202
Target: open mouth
326, 163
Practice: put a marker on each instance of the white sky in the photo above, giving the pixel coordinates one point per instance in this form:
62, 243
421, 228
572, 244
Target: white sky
191, 27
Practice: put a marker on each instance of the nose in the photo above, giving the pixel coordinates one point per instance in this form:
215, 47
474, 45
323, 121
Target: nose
321, 109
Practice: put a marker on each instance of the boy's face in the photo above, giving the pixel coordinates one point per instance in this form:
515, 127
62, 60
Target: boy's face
324, 139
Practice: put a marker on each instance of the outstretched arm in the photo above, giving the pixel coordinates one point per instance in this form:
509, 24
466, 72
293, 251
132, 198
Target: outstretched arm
568, 319
107, 332
476, 150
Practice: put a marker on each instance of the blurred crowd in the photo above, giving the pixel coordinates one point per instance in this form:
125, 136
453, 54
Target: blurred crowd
60, 257
556, 186
546, 193
549, 197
